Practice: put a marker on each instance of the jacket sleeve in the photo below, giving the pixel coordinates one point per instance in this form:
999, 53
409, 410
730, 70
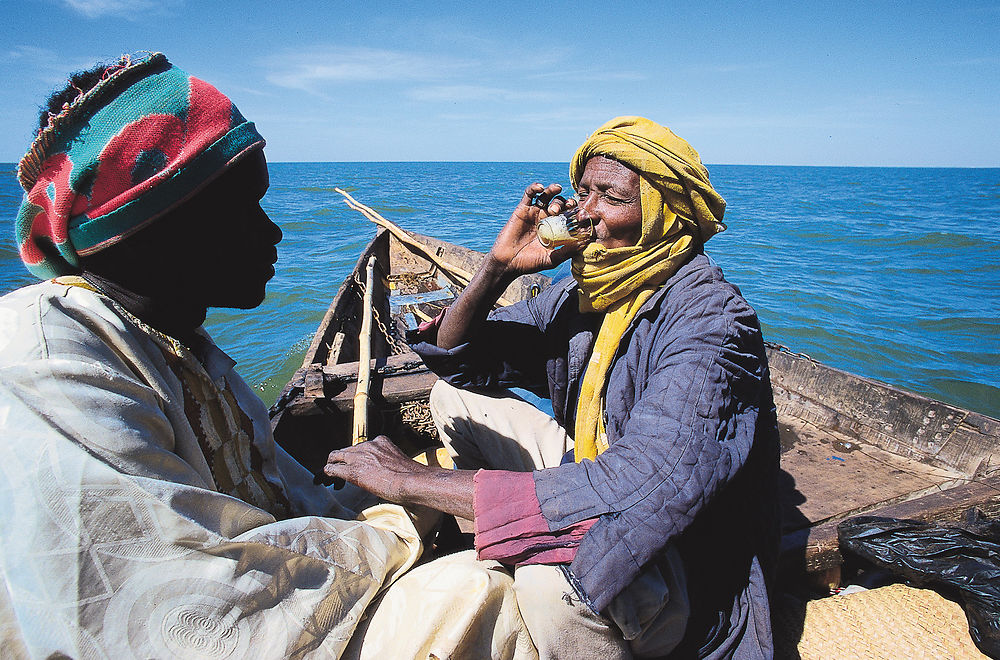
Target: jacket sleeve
509, 524
510, 350
687, 433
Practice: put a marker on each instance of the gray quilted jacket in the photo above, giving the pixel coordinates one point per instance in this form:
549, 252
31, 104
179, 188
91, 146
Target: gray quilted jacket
693, 455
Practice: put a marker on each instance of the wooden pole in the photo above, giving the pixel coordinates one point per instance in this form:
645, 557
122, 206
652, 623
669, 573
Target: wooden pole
364, 359
463, 276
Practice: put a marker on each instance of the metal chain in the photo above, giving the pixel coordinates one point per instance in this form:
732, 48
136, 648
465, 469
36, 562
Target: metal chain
397, 346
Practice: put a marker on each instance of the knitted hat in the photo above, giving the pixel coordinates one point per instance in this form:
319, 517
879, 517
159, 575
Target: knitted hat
143, 140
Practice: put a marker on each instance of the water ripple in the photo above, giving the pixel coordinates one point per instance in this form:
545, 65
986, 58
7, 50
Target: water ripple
891, 273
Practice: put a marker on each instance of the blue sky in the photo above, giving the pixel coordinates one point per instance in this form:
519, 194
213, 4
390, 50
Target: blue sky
796, 83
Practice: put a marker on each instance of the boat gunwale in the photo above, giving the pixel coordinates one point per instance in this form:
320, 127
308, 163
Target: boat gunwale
986, 424
812, 546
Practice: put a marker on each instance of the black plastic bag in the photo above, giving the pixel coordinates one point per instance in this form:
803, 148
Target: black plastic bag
963, 559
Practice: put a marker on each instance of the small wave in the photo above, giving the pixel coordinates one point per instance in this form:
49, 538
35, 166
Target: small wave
981, 397
927, 271
270, 384
939, 239
965, 326
320, 189
398, 209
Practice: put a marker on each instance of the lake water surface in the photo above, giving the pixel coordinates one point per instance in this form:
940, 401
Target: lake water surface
891, 273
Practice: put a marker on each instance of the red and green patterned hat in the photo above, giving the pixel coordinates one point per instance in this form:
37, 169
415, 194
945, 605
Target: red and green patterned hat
143, 140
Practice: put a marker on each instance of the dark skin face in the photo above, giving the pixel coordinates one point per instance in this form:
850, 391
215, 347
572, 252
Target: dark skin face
609, 196
234, 250
215, 250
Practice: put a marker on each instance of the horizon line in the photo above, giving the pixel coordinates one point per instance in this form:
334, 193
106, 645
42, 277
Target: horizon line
14, 164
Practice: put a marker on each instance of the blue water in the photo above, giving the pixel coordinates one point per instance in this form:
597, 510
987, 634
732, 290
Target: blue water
892, 273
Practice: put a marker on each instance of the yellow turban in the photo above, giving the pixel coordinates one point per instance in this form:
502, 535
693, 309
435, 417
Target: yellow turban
680, 211
666, 161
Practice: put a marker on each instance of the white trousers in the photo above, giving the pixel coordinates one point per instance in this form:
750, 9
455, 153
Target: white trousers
501, 431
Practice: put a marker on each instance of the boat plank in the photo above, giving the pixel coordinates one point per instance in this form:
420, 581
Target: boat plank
816, 550
832, 475
402, 389
322, 341
901, 422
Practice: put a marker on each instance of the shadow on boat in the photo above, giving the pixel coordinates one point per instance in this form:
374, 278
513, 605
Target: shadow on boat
788, 603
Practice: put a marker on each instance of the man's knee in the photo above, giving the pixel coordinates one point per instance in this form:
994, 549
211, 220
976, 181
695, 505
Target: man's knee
439, 394
445, 401
544, 594
560, 624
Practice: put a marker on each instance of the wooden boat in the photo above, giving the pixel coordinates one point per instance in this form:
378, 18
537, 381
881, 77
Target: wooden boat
850, 445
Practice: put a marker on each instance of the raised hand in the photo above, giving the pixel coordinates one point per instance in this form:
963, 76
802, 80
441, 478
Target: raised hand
515, 252
516, 248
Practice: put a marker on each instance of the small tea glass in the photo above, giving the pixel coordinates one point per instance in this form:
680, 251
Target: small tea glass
564, 229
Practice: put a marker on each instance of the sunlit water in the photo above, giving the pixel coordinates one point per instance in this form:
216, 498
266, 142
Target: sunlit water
889, 273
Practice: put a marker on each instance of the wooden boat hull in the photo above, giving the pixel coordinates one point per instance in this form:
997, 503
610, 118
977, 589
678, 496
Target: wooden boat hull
850, 445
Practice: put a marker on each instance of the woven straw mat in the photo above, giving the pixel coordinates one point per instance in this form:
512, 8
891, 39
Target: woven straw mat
890, 622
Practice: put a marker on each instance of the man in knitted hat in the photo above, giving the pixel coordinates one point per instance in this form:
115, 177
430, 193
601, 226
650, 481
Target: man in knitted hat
145, 509
642, 519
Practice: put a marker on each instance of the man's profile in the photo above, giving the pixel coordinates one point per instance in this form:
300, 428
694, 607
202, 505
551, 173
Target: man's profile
145, 509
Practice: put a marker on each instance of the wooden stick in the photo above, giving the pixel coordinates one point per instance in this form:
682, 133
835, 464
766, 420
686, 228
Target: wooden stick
463, 276
394, 229
417, 311
364, 359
